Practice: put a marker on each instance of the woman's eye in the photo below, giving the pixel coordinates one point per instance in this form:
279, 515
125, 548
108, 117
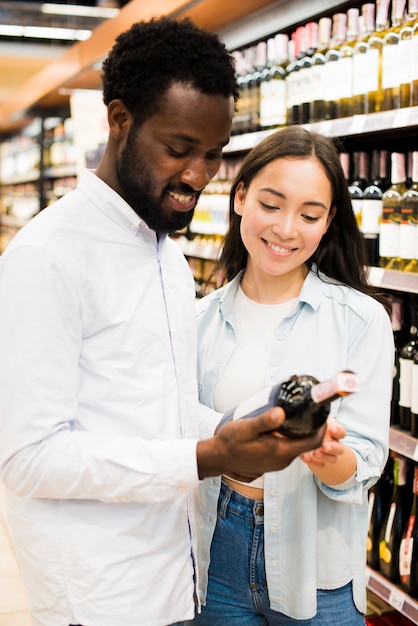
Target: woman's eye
310, 218
269, 207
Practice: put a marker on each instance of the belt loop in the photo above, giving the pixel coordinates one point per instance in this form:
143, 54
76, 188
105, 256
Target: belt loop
224, 498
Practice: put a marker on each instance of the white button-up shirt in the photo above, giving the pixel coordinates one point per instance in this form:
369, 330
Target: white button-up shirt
315, 535
99, 413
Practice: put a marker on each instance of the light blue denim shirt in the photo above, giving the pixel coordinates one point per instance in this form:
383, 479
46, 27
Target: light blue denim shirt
315, 535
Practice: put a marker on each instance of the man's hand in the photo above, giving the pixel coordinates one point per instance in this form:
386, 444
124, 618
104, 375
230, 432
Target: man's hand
247, 448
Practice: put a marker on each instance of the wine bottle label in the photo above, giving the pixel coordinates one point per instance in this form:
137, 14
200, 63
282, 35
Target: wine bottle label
341, 384
414, 389
405, 551
405, 382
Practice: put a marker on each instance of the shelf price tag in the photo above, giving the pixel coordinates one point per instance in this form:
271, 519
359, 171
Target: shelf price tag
396, 599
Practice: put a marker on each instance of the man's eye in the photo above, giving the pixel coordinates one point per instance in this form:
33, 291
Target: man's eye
215, 156
177, 153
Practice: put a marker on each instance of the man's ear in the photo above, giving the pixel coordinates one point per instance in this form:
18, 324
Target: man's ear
119, 119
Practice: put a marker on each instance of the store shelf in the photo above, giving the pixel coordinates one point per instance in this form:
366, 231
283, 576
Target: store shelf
392, 594
403, 443
357, 125
393, 279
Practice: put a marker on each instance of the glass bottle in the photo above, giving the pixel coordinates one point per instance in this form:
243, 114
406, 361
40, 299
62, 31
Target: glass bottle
292, 70
409, 225
371, 211
394, 523
391, 58
391, 214
273, 104
317, 111
408, 552
374, 58
414, 62
360, 66
358, 183
345, 105
406, 55
333, 74
406, 360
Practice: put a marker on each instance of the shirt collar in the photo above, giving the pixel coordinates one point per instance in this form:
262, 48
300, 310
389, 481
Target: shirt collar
109, 202
311, 292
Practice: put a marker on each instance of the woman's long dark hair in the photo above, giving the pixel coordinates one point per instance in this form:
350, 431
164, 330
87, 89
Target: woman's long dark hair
341, 254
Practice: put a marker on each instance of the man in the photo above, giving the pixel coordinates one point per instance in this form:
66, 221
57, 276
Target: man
102, 438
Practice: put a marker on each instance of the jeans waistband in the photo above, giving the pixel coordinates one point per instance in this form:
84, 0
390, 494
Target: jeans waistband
236, 503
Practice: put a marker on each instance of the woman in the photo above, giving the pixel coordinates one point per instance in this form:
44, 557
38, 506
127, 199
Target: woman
291, 547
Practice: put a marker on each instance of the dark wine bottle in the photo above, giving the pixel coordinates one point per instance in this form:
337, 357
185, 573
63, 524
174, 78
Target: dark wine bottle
394, 523
379, 498
406, 360
408, 551
304, 399
375, 517
414, 397
398, 335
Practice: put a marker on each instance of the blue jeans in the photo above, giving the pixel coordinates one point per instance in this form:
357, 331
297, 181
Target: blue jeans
239, 596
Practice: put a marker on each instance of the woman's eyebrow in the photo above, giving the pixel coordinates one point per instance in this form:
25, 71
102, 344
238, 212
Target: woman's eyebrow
279, 194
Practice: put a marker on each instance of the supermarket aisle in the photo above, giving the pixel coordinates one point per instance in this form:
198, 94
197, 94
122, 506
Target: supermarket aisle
13, 601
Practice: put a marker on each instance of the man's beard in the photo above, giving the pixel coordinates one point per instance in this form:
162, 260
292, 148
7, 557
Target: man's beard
138, 192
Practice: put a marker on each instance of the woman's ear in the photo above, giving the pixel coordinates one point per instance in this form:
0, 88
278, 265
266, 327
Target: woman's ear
331, 215
119, 119
239, 198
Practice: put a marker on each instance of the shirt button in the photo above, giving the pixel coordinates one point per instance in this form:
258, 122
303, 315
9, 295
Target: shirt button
272, 492
273, 563
273, 529
133, 227
281, 337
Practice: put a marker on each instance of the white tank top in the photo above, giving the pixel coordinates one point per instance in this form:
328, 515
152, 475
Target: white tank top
245, 372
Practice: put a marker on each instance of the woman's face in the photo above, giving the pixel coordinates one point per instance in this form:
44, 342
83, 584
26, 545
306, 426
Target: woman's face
285, 212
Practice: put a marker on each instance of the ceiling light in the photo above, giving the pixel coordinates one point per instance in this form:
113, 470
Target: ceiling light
39, 32
78, 10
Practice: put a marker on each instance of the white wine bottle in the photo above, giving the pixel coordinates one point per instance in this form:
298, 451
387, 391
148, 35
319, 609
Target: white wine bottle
304, 399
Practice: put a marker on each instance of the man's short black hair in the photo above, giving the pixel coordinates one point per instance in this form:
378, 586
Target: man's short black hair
153, 55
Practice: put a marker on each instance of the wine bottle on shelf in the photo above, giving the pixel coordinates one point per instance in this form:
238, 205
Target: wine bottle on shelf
414, 57
358, 183
240, 122
391, 58
317, 111
406, 360
408, 551
394, 522
292, 70
259, 63
360, 71
273, 112
391, 214
304, 399
333, 55
345, 105
309, 35
406, 59
414, 397
408, 232
398, 328
371, 211
373, 58
378, 503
